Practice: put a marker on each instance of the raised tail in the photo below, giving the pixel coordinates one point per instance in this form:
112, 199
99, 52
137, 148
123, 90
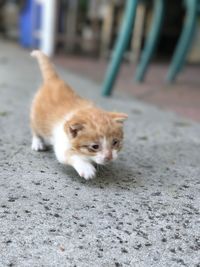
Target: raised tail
47, 69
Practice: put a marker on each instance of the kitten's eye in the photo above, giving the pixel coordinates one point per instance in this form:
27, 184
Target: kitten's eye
115, 142
95, 147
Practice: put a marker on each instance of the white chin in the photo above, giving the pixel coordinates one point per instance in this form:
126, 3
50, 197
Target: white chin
100, 162
103, 162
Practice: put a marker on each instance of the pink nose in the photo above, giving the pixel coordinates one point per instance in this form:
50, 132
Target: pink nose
109, 156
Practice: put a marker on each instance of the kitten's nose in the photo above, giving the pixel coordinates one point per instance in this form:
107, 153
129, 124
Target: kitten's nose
108, 156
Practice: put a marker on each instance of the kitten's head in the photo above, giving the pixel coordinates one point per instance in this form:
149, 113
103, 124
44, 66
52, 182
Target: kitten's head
96, 134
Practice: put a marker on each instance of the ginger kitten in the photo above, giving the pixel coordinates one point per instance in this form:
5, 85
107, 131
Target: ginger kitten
80, 133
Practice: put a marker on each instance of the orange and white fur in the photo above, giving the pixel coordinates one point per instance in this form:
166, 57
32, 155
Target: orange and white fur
80, 133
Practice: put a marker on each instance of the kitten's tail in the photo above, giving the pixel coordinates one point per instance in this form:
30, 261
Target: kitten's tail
47, 69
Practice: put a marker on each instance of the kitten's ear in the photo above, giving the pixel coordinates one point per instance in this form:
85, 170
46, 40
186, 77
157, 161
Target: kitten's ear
118, 117
73, 129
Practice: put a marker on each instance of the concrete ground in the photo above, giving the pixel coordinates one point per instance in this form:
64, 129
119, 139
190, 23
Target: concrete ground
143, 210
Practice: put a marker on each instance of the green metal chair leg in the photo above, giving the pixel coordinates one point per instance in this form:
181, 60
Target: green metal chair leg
185, 40
121, 45
152, 40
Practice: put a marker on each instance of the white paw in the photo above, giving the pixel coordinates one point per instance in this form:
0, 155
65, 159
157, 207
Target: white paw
38, 144
86, 170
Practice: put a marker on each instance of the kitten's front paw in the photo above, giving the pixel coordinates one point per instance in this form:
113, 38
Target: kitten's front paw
86, 170
38, 144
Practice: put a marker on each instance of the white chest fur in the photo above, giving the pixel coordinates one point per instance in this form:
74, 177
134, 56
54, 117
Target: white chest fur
61, 143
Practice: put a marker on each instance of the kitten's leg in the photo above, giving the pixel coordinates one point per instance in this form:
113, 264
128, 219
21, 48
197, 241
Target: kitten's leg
84, 168
38, 144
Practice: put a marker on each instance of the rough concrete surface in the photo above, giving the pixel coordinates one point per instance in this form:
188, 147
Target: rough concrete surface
143, 210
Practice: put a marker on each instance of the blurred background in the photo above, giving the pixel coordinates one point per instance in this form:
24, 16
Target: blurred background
81, 36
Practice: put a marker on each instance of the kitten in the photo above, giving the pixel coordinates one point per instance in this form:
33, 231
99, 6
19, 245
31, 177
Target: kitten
80, 133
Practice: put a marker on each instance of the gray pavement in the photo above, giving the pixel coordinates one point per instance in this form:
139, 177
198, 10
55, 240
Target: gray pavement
143, 210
